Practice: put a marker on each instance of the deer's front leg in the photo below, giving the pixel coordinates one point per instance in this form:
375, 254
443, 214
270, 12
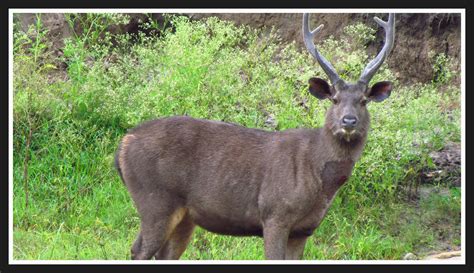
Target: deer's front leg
275, 236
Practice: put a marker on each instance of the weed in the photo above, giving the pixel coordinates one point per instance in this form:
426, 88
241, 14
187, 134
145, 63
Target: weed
443, 70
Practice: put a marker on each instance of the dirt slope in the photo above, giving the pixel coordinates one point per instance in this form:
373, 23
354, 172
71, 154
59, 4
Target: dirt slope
418, 36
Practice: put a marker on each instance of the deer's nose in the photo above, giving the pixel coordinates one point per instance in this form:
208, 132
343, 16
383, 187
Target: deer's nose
349, 121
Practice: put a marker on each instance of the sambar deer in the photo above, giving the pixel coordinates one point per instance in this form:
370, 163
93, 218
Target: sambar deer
228, 179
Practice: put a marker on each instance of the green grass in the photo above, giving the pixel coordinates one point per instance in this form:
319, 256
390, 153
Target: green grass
72, 204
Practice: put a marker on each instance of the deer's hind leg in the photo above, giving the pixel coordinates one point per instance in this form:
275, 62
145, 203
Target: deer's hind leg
295, 248
178, 239
158, 220
136, 245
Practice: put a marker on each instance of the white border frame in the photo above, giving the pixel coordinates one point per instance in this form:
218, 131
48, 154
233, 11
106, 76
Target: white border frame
316, 262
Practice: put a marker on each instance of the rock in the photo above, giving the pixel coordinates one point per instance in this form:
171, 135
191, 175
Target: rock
410, 256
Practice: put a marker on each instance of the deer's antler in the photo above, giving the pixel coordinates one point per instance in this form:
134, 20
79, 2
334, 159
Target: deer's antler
375, 64
308, 41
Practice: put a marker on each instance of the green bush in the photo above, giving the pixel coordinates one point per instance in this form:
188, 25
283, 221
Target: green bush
442, 69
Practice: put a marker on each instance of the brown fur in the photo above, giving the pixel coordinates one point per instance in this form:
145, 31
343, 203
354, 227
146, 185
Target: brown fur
233, 180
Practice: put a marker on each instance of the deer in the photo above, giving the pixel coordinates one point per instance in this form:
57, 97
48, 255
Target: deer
183, 172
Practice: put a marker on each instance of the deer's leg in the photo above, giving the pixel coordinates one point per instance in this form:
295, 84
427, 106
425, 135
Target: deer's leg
295, 248
275, 237
153, 237
178, 240
158, 219
136, 245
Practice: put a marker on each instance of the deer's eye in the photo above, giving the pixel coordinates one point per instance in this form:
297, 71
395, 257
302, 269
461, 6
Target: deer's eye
335, 101
363, 102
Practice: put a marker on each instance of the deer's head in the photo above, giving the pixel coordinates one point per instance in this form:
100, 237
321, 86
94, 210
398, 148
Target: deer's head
348, 118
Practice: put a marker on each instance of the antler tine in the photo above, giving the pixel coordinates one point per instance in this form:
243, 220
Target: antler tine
375, 64
308, 37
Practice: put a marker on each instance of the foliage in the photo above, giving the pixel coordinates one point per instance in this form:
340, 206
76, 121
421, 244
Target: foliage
443, 69
360, 33
349, 55
212, 69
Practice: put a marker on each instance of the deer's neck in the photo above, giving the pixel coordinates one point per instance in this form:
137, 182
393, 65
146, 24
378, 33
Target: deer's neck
340, 148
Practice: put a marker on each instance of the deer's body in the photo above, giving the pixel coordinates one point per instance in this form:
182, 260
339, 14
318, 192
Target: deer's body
229, 179
182, 172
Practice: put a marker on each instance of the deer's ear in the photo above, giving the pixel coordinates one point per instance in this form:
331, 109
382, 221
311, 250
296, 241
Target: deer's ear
319, 88
380, 91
